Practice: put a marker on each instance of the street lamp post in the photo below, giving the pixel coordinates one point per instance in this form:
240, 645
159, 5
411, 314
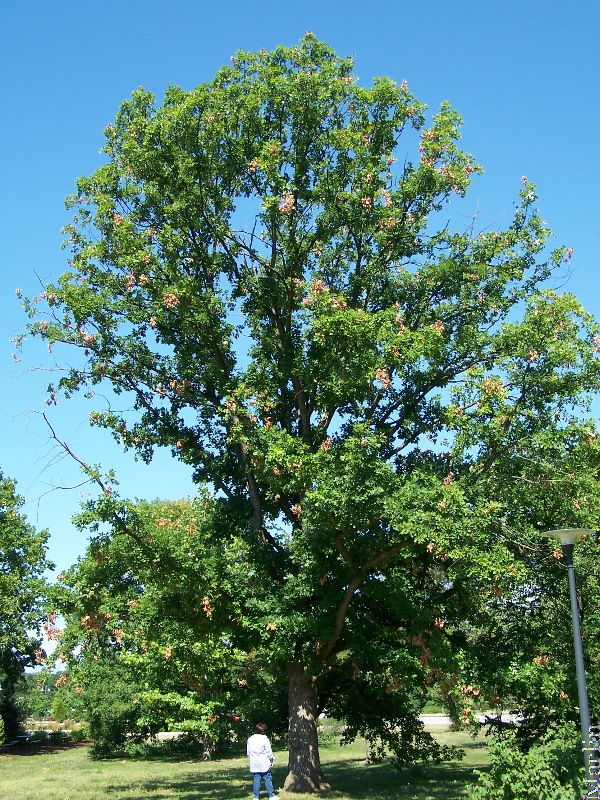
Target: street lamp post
567, 538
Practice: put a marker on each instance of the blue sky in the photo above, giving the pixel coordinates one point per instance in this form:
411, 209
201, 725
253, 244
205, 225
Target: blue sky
524, 76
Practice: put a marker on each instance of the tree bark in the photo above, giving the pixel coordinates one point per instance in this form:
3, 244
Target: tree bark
304, 765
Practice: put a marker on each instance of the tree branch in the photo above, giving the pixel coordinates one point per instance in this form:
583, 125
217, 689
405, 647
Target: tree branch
342, 612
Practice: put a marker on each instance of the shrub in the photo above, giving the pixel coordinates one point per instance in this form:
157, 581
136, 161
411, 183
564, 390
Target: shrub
185, 746
39, 736
112, 718
79, 734
59, 709
330, 731
11, 711
550, 770
111, 724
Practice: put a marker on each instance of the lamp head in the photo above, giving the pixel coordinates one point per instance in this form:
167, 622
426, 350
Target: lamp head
568, 535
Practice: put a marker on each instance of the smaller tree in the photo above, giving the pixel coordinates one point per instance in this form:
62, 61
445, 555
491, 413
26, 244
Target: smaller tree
519, 639
22, 592
157, 633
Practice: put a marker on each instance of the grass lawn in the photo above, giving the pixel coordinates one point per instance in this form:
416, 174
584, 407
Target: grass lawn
70, 774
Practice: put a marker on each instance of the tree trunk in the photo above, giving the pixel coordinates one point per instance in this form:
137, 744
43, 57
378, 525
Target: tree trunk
304, 764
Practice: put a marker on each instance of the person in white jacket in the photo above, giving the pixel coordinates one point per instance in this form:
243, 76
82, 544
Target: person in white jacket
260, 757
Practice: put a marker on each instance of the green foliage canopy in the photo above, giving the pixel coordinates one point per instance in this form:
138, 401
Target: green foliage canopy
172, 641
22, 593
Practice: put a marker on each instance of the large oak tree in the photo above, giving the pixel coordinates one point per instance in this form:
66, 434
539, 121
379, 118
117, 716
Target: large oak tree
265, 267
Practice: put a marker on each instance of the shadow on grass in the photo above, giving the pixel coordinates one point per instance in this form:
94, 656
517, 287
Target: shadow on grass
384, 782
161, 756
349, 779
188, 789
231, 783
41, 750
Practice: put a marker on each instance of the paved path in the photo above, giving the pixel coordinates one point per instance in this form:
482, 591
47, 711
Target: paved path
431, 720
